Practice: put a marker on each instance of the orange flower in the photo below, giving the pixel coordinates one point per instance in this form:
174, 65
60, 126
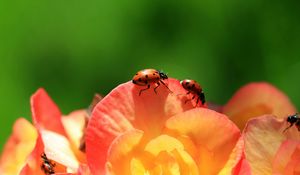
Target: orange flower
268, 150
159, 134
257, 99
52, 134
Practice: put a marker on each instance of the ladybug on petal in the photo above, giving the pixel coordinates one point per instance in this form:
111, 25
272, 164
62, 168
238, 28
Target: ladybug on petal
47, 165
195, 89
147, 77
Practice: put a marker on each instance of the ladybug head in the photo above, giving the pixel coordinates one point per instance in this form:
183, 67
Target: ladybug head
293, 118
163, 75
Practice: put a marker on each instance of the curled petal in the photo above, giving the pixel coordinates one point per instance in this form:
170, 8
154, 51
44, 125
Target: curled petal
206, 128
123, 109
45, 113
18, 147
257, 99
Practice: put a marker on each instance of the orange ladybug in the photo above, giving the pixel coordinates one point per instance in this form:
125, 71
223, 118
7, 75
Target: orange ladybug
147, 77
47, 165
193, 88
293, 120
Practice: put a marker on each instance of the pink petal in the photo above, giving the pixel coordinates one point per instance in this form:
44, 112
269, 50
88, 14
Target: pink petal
287, 158
243, 167
213, 134
257, 99
263, 137
45, 113
123, 109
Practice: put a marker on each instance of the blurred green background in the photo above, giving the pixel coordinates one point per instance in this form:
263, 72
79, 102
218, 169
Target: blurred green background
76, 48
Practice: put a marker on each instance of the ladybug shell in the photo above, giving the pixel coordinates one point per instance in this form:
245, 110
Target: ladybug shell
191, 86
145, 77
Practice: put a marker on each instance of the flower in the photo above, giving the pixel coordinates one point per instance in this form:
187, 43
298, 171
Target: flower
159, 134
260, 110
269, 150
52, 134
256, 99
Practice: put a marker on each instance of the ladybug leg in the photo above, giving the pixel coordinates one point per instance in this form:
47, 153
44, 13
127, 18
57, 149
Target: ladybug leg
158, 84
288, 127
165, 85
144, 89
298, 125
202, 98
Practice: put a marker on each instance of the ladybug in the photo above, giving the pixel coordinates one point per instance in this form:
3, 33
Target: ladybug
147, 77
193, 88
47, 165
293, 120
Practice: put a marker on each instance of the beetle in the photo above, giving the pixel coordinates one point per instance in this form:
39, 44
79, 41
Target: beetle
293, 120
148, 77
193, 88
47, 165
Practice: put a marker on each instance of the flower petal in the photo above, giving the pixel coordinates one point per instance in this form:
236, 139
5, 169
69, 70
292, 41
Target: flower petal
163, 143
45, 113
121, 149
206, 128
57, 148
263, 137
74, 125
287, 158
257, 99
123, 109
18, 147
242, 168
234, 162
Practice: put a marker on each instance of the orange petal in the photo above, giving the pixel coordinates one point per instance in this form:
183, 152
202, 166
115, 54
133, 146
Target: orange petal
45, 113
123, 109
257, 99
294, 164
121, 150
18, 147
206, 128
34, 161
163, 143
263, 137
57, 148
234, 163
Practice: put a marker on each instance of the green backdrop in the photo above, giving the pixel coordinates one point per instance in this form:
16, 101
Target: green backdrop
76, 48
